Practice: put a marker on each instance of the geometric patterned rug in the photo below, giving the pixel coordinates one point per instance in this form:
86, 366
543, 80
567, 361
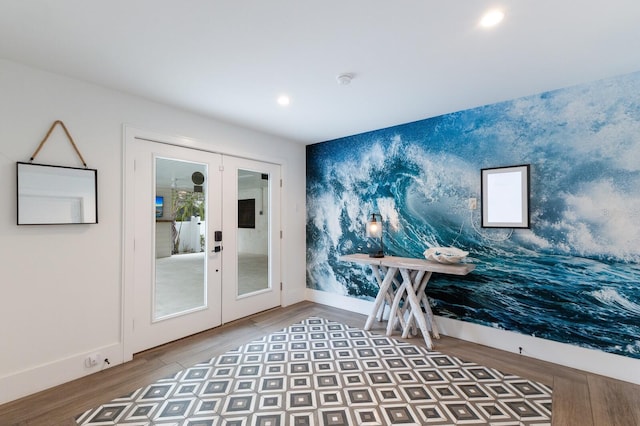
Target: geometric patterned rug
320, 373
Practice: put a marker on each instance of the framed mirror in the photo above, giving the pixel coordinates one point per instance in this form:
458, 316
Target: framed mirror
505, 197
53, 195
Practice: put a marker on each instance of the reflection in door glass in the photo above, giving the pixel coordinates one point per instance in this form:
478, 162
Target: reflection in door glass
253, 231
180, 237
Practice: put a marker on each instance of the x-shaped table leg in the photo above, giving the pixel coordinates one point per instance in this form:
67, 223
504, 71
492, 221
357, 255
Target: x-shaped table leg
383, 293
415, 310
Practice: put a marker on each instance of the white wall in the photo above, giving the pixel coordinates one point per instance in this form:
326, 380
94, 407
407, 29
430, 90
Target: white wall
61, 284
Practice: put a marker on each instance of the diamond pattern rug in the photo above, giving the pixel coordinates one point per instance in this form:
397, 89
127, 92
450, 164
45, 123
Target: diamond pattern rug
321, 373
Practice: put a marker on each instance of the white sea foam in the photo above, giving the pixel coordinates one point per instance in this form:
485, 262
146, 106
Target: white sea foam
327, 216
534, 240
602, 220
633, 348
387, 208
611, 297
326, 280
322, 275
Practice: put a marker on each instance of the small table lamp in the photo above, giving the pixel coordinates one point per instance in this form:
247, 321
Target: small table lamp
374, 230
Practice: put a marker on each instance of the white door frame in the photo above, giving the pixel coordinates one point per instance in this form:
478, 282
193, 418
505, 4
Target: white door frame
129, 135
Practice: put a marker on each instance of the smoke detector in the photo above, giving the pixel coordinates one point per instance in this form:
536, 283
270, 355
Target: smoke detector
344, 79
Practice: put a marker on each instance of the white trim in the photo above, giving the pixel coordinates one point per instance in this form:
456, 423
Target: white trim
591, 360
352, 304
128, 199
44, 376
133, 132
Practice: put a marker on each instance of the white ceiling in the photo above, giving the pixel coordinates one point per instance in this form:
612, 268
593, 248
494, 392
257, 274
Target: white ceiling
412, 59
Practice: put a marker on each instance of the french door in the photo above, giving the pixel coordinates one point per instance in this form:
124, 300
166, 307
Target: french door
251, 257
206, 241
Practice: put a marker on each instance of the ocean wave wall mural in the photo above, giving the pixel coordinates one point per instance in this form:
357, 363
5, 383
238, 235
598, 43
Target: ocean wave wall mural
573, 277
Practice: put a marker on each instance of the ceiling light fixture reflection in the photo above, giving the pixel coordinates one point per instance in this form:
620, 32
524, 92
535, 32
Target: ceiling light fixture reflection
284, 100
492, 18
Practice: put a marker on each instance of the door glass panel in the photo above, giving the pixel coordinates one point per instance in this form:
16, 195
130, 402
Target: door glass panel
253, 231
180, 261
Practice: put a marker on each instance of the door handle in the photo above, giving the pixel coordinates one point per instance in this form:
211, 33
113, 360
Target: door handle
217, 237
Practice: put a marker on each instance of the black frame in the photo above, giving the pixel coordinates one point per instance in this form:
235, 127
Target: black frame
520, 195
247, 213
95, 193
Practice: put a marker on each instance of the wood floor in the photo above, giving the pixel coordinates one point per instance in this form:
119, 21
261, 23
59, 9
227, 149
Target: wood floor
579, 398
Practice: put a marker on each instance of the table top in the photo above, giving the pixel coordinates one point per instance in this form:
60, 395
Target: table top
411, 263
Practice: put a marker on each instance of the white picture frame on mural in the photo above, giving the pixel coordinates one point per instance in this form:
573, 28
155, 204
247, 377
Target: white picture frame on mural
505, 197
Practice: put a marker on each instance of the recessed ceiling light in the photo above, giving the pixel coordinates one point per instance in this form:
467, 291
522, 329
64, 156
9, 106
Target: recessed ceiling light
284, 100
492, 18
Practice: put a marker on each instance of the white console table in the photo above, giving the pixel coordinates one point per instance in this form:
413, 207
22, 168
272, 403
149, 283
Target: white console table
414, 275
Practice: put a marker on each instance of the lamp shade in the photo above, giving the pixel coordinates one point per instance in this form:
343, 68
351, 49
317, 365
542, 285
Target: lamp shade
374, 230
374, 226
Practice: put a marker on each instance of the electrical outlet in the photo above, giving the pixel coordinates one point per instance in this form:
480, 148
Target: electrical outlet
473, 203
92, 360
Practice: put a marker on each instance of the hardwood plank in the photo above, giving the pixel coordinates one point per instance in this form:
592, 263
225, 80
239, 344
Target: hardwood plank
614, 403
503, 361
579, 398
42, 400
571, 404
56, 405
208, 344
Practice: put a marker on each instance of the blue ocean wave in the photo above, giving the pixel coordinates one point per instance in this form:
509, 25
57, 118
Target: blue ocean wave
573, 277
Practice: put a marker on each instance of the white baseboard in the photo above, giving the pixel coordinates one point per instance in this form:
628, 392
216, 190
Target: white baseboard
337, 301
594, 361
41, 377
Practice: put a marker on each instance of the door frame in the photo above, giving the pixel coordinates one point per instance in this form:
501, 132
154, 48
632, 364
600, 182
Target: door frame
130, 134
